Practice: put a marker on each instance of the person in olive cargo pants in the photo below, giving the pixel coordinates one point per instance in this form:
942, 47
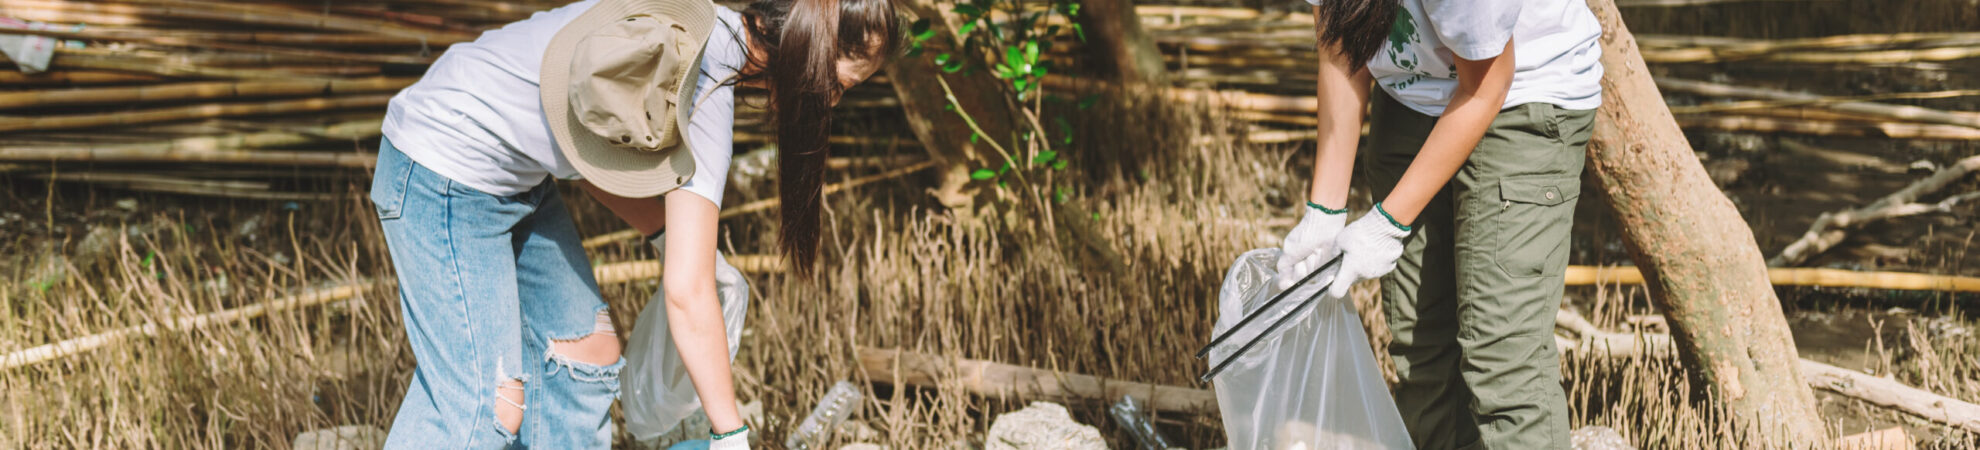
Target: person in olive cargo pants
1475, 148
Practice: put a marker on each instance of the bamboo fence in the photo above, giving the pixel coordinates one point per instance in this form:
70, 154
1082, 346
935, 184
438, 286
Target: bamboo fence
304, 83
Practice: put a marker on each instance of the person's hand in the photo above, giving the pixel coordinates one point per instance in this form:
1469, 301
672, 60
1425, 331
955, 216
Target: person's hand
1310, 244
735, 440
1370, 247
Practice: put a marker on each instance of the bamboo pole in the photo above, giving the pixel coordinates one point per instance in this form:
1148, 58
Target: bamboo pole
605, 274
764, 204
1833, 278
1834, 128
992, 379
243, 13
179, 113
188, 186
1757, 105
1896, 112
15, 78
170, 41
199, 91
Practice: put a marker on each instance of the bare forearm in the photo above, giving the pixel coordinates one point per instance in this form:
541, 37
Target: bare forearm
698, 333
1481, 93
1343, 94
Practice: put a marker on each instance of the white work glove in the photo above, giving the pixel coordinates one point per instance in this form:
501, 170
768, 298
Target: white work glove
1310, 244
736, 440
1370, 246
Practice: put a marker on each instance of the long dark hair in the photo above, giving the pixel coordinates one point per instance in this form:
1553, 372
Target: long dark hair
803, 41
1357, 27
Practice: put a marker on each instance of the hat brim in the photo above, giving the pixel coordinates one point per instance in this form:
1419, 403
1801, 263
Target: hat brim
620, 171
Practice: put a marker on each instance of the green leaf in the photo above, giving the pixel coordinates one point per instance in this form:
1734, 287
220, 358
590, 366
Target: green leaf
148, 256
1011, 57
1021, 84
1062, 195
1005, 168
1072, 9
1003, 184
973, 137
1088, 101
1059, 165
943, 59
1045, 157
968, 10
948, 107
966, 28
953, 66
1031, 51
982, 174
1096, 216
1038, 71
1079, 32
914, 50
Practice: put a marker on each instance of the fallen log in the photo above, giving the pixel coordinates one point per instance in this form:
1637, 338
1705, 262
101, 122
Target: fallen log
992, 379
1834, 278
1831, 228
1848, 383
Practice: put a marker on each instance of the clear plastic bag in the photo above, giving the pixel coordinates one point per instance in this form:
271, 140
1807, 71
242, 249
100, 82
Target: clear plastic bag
1313, 383
654, 386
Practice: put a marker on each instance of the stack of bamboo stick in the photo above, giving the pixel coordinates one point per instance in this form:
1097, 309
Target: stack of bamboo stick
175, 87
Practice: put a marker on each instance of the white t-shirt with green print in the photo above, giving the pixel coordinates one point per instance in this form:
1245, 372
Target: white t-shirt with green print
1555, 47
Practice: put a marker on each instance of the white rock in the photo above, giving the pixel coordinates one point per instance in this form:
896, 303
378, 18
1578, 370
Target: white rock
1042, 426
1599, 438
348, 437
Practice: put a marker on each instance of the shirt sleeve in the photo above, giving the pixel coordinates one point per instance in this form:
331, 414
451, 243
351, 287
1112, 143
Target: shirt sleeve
1474, 29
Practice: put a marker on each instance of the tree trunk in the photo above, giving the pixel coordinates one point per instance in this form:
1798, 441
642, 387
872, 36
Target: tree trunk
1118, 44
942, 132
1702, 265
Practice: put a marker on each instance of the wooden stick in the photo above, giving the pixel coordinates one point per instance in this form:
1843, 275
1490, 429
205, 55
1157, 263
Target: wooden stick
1831, 228
992, 379
605, 274
1895, 112
1889, 393
244, 13
200, 91
71, 347
764, 204
181, 113
1753, 105
1836, 278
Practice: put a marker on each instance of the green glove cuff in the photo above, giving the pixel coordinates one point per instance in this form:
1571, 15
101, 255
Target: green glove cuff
1392, 219
713, 436
1311, 204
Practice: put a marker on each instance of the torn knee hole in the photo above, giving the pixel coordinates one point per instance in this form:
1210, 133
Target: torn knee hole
510, 405
601, 347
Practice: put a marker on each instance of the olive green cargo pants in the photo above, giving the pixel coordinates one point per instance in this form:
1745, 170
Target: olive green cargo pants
1471, 303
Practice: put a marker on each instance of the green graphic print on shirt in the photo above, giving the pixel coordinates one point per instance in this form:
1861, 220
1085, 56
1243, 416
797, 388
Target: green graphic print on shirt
1402, 47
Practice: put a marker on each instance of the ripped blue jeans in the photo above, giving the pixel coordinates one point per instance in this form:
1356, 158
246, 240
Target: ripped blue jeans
486, 283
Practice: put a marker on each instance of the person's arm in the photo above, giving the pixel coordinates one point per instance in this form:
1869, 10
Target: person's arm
1481, 92
1343, 94
694, 315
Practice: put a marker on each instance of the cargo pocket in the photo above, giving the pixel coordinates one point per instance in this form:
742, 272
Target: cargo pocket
1533, 227
389, 180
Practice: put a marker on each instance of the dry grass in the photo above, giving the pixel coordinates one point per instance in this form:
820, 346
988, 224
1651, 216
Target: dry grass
1118, 283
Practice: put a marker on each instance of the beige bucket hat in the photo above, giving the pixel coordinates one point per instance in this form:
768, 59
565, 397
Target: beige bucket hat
618, 84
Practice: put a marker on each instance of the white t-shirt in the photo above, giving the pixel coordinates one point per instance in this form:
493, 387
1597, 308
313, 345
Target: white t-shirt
476, 117
1556, 50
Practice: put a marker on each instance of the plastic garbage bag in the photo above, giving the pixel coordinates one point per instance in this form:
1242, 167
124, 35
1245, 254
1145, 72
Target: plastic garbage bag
1311, 384
654, 386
